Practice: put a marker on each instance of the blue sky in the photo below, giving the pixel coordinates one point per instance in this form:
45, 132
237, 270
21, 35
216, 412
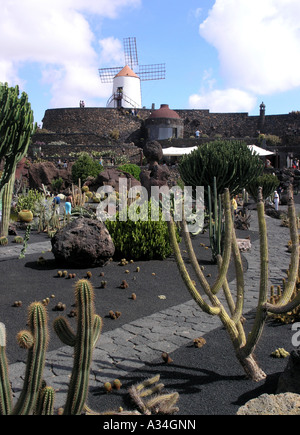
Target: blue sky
220, 55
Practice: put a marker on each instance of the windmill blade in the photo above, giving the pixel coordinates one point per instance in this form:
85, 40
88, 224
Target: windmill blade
152, 72
107, 74
130, 52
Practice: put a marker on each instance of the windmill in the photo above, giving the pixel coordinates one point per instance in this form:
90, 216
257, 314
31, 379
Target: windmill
127, 80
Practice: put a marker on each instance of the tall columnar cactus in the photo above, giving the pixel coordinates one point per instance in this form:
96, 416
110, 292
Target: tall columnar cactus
88, 332
35, 339
5, 390
231, 317
16, 129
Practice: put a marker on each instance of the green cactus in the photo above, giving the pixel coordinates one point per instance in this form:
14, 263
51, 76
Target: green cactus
5, 390
25, 241
147, 396
16, 129
35, 340
88, 332
45, 405
18, 239
7, 193
232, 318
38, 398
231, 162
3, 240
216, 224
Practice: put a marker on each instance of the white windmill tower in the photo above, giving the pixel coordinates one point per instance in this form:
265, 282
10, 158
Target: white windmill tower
127, 82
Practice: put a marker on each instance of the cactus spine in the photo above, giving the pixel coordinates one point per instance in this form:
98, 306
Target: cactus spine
88, 332
231, 320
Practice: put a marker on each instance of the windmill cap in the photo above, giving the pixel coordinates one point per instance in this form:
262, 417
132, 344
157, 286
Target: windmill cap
164, 112
127, 72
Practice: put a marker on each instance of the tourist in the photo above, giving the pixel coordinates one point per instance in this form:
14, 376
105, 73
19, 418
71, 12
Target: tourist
234, 204
276, 199
65, 164
197, 133
101, 161
268, 163
56, 203
68, 205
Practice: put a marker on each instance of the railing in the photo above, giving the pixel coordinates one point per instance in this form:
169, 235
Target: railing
119, 97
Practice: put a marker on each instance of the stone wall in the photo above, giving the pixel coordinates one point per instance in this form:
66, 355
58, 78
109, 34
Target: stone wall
98, 122
105, 128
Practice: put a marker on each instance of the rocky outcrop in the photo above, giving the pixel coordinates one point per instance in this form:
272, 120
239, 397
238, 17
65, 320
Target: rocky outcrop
83, 243
272, 404
45, 172
289, 380
153, 152
156, 174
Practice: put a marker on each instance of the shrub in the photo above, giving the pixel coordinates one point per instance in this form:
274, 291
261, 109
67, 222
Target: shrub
132, 169
56, 184
85, 167
231, 162
140, 240
268, 183
29, 201
271, 140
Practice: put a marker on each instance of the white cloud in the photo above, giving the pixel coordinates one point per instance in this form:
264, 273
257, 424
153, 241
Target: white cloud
57, 37
112, 51
258, 43
223, 101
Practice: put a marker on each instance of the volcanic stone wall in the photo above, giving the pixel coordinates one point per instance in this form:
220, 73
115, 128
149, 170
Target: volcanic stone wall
104, 127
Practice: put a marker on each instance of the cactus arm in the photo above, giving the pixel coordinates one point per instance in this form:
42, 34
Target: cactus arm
261, 314
284, 304
227, 245
46, 401
191, 253
227, 252
294, 263
87, 331
16, 128
7, 193
64, 332
5, 389
185, 275
37, 320
239, 280
97, 329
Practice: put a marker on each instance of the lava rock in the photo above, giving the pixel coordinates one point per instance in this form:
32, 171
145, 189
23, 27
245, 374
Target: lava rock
83, 243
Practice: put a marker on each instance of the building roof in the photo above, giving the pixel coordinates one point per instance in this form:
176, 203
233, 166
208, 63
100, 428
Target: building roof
127, 72
164, 112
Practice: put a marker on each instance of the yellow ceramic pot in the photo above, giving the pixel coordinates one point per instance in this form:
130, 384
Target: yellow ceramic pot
25, 215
